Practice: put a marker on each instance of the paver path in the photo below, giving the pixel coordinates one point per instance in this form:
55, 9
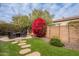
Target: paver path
5, 39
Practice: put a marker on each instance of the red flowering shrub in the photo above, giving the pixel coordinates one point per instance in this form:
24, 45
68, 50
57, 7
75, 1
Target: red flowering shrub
39, 27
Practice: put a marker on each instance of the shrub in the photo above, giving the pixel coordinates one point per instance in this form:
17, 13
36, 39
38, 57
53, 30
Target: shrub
56, 42
39, 27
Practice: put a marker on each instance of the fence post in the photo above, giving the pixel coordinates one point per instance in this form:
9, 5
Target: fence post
49, 31
59, 31
68, 34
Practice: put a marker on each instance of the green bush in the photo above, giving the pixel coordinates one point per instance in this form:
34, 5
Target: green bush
56, 42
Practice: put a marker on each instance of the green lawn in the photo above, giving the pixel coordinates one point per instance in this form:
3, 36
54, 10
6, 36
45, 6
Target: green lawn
8, 49
37, 44
47, 50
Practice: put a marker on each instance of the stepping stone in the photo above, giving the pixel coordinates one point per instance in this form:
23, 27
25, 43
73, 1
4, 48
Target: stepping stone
20, 44
23, 41
14, 42
28, 37
34, 54
26, 46
24, 51
17, 40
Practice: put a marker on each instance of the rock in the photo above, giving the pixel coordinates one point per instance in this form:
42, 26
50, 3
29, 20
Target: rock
24, 51
26, 46
34, 54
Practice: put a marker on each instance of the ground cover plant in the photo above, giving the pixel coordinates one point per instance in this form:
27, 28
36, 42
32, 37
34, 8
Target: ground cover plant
56, 42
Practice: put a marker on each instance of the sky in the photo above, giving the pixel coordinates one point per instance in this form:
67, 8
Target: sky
59, 10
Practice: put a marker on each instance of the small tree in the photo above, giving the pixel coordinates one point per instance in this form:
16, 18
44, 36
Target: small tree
39, 27
21, 21
41, 14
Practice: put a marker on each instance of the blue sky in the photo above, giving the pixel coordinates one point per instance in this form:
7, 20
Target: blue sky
59, 10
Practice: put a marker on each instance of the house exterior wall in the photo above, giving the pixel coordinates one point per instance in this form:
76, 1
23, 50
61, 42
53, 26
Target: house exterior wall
63, 23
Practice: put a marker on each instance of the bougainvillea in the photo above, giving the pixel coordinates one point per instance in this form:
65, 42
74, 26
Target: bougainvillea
39, 27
